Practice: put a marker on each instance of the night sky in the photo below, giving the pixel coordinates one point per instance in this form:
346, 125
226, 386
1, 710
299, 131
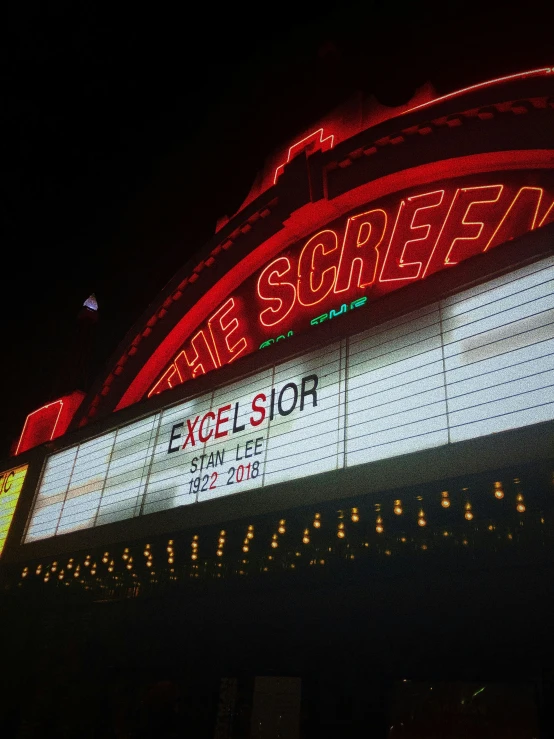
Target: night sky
128, 129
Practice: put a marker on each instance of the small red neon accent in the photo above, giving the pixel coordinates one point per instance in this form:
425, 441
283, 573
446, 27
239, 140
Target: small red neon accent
40, 411
351, 259
48, 422
323, 243
312, 138
480, 85
402, 270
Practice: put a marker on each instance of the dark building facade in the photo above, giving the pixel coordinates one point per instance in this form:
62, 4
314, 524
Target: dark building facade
324, 456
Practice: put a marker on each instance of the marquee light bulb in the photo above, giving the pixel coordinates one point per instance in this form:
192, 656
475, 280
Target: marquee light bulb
421, 518
398, 507
274, 544
498, 490
219, 553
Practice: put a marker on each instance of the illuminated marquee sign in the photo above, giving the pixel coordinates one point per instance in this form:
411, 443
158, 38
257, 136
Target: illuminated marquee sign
361, 257
11, 482
476, 363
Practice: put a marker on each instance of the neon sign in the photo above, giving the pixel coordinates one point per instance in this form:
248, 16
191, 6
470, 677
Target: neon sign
360, 257
11, 482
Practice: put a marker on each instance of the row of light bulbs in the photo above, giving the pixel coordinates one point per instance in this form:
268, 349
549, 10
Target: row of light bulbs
498, 491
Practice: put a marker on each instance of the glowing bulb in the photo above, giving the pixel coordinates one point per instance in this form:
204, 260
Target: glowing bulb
219, 553
149, 563
468, 515
281, 528
317, 520
341, 534
421, 518
194, 556
274, 544
250, 535
245, 548
379, 525
398, 507
305, 540
445, 500
520, 508
355, 515
498, 491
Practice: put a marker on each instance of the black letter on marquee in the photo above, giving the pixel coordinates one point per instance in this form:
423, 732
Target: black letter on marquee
312, 391
174, 437
235, 419
279, 401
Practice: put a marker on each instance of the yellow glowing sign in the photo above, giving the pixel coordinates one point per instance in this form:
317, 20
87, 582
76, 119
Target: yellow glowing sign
11, 482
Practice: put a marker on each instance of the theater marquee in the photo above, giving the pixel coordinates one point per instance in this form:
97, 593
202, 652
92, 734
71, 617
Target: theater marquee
473, 364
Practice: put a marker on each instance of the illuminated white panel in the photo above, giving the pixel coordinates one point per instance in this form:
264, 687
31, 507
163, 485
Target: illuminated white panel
499, 353
168, 481
49, 501
395, 389
126, 477
87, 480
306, 441
236, 462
